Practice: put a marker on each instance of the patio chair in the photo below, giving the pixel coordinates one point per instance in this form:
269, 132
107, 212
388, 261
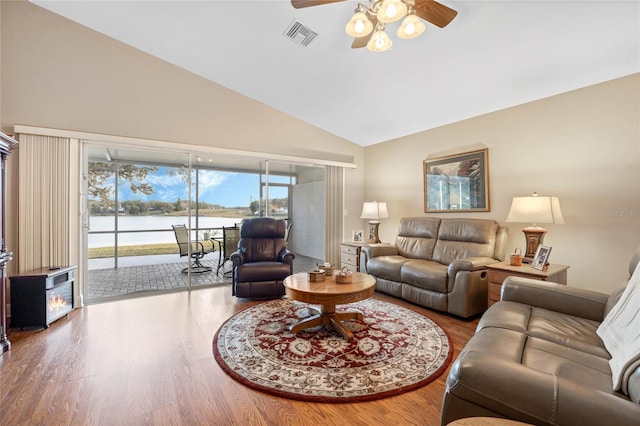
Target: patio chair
198, 250
228, 244
262, 260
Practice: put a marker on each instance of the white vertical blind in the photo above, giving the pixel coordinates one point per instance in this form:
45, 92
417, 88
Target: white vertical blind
334, 207
43, 202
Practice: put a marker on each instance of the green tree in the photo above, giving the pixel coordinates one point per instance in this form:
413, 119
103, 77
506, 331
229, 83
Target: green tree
101, 180
254, 206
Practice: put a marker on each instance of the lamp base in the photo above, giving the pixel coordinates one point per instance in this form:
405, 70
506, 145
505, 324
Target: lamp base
534, 236
373, 232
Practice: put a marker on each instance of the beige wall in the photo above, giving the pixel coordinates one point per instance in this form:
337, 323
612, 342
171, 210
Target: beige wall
582, 146
58, 74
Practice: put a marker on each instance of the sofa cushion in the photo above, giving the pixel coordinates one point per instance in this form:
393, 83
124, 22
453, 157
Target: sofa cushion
582, 368
417, 237
262, 271
425, 274
461, 238
565, 330
387, 267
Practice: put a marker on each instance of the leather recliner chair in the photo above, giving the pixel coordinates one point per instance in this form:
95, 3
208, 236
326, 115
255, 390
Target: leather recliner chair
262, 260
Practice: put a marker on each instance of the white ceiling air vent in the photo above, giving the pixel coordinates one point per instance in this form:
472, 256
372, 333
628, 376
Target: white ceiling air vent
300, 34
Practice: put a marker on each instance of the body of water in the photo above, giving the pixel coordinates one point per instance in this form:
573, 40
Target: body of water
141, 223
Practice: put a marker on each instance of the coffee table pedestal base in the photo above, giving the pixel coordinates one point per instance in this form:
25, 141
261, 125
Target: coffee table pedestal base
328, 316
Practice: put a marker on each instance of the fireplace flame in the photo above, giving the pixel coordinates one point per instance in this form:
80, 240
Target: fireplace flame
56, 302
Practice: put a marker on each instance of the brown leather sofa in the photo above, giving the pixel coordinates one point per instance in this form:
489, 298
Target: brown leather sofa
536, 358
262, 260
438, 263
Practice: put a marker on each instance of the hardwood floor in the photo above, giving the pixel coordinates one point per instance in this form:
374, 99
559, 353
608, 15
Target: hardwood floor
149, 361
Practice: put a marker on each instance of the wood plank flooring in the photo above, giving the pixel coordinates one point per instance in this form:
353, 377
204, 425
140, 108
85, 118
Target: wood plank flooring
149, 361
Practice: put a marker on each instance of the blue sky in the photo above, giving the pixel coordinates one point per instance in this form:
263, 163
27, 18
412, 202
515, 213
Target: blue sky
224, 188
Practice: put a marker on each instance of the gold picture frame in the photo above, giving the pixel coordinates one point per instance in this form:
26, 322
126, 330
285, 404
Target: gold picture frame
457, 183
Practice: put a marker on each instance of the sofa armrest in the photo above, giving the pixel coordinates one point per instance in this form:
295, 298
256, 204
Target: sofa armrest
498, 384
470, 264
555, 297
369, 251
379, 249
237, 258
286, 257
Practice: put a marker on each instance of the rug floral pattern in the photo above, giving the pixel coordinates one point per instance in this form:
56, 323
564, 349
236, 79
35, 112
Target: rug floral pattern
393, 350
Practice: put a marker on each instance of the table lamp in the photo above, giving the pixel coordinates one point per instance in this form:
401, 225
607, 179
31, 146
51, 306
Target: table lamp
375, 211
535, 209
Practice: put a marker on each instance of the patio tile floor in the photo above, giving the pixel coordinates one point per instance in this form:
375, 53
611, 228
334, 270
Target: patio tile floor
149, 274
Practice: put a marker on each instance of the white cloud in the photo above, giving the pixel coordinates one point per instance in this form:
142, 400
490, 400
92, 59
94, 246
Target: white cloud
164, 179
209, 179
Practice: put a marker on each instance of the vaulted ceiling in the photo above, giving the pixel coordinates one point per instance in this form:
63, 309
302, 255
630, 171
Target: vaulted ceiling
494, 55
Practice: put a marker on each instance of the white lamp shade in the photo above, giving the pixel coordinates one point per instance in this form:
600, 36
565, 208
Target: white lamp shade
379, 41
374, 210
411, 27
536, 209
359, 25
391, 11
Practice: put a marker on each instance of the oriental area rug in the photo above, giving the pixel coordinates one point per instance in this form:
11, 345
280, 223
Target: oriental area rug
394, 350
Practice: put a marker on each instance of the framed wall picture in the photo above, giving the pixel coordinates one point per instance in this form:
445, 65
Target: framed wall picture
457, 183
541, 257
357, 235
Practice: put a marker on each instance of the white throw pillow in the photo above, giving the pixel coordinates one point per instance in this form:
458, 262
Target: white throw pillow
620, 332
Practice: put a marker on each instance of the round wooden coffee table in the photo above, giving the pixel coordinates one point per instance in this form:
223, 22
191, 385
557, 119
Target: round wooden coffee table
328, 294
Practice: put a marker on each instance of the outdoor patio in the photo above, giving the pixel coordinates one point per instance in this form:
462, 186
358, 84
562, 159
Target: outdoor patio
137, 275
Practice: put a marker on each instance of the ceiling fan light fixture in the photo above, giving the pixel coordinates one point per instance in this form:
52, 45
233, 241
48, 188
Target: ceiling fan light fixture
359, 25
379, 41
411, 27
391, 11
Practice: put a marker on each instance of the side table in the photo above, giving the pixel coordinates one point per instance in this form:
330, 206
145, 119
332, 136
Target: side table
350, 255
499, 271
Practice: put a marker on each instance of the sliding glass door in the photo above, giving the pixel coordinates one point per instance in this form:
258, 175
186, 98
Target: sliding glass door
157, 220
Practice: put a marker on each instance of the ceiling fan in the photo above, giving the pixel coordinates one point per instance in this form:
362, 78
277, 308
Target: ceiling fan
368, 23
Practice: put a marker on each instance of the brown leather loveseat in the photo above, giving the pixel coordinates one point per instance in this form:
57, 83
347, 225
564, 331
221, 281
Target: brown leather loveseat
438, 263
537, 357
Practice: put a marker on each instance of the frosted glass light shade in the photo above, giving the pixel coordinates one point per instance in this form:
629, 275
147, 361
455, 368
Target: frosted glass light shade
374, 210
359, 25
391, 11
411, 27
379, 41
535, 209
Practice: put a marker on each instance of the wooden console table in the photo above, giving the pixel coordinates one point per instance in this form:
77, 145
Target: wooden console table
499, 271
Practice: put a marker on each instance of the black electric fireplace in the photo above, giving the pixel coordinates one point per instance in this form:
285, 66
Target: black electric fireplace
40, 297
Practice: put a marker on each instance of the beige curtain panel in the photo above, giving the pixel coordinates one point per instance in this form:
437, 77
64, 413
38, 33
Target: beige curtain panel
334, 205
43, 202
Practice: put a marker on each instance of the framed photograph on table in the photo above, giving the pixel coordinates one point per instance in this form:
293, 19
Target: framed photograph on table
457, 183
541, 257
357, 235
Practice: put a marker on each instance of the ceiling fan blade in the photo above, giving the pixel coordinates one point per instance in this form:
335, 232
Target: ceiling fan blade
434, 12
299, 4
359, 42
